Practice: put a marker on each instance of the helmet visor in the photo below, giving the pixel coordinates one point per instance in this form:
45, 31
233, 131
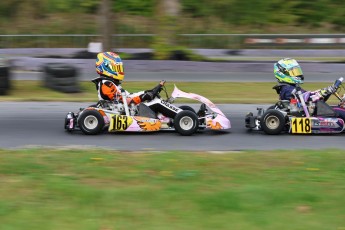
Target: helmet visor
295, 71
116, 67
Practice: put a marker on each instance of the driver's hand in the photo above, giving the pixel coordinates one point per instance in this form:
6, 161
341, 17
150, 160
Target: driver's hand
147, 96
162, 82
331, 89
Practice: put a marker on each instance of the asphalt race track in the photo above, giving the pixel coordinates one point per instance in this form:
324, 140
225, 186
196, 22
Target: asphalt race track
32, 124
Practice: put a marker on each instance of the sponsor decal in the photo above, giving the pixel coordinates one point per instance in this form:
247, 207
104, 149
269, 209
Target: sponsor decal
214, 126
144, 119
170, 106
323, 124
148, 124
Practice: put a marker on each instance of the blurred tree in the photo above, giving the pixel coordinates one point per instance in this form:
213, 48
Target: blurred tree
166, 16
233, 12
195, 8
89, 6
157, 16
135, 7
310, 13
278, 12
60, 6
9, 8
249, 12
106, 24
338, 19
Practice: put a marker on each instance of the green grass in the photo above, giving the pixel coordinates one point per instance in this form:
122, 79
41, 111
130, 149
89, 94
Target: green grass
217, 92
98, 189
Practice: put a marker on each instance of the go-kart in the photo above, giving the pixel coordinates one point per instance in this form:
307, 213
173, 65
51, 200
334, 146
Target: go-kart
299, 115
116, 116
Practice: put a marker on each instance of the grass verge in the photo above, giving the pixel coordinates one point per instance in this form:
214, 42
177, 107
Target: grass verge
217, 92
98, 189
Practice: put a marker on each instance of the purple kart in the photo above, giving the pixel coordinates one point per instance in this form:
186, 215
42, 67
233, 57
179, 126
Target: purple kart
300, 116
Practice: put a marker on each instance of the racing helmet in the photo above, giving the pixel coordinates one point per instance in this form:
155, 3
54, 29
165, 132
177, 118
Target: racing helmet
109, 64
288, 70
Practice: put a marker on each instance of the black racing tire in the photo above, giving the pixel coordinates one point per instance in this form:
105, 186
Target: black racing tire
60, 69
5, 77
4, 70
271, 107
4, 91
66, 88
67, 81
186, 107
5, 82
47, 82
186, 123
91, 122
272, 122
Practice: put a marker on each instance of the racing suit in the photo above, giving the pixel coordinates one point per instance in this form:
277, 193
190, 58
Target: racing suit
285, 92
110, 90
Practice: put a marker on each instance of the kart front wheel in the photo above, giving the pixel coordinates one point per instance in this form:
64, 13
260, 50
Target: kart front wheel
272, 122
186, 123
91, 122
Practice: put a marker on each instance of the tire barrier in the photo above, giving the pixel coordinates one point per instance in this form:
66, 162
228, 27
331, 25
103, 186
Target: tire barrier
61, 77
5, 83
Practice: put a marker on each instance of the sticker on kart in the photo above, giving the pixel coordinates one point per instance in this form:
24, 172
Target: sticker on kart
120, 122
308, 125
300, 125
133, 123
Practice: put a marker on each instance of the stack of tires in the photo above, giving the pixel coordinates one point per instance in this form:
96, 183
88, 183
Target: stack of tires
61, 77
5, 84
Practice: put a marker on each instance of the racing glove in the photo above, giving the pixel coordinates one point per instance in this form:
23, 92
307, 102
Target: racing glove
156, 90
147, 96
324, 93
327, 91
150, 94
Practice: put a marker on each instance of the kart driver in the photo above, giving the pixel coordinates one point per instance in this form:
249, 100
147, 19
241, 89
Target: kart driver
109, 66
289, 74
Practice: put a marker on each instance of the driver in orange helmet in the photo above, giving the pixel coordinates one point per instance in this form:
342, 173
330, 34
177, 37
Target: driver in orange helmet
110, 68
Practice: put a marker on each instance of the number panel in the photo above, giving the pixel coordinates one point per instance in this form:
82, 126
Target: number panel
120, 122
301, 125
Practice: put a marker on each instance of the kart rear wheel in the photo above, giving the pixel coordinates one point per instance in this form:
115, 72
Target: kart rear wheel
186, 107
186, 123
272, 122
91, 122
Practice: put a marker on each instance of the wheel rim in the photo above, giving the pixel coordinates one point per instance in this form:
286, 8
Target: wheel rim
186, 123
90, 122
272, 122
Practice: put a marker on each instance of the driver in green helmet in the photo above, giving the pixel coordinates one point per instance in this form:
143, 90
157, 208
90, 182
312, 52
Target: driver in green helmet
289, 74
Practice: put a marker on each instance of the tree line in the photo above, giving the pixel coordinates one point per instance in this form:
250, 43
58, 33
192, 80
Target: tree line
246, 13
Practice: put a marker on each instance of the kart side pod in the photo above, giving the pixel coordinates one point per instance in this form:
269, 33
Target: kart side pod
308, 125
133, 123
